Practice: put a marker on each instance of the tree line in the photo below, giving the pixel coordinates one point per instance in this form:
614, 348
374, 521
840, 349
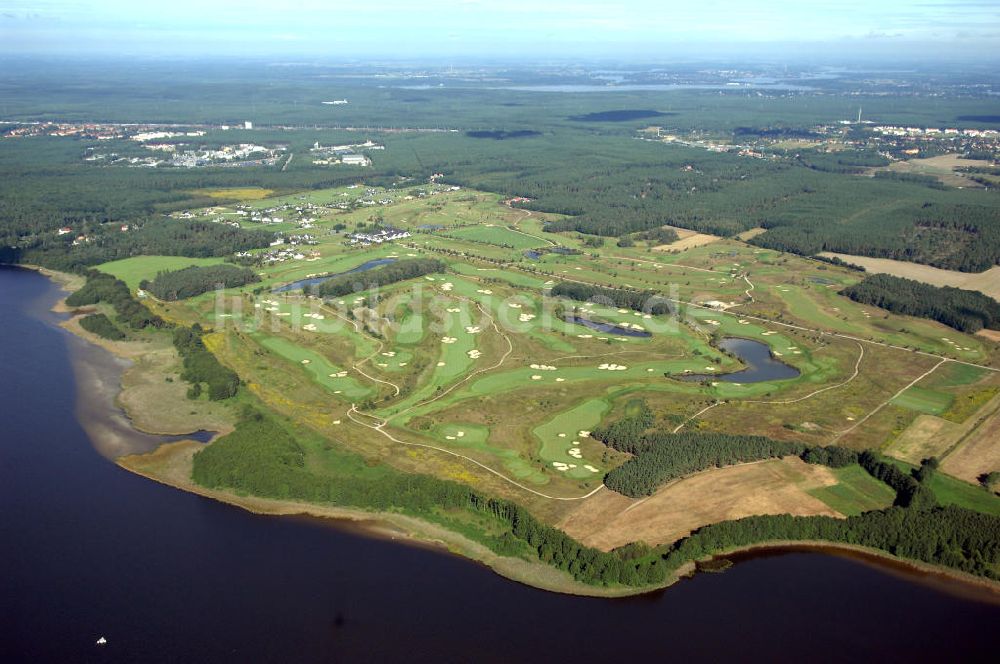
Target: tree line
659, 456
101, 287
647, 301
384, 275
195, 280
102, 326
964, 310
200, 365
262, 458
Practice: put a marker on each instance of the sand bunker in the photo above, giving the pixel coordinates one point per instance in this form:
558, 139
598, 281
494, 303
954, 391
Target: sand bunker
612, 367
448, 340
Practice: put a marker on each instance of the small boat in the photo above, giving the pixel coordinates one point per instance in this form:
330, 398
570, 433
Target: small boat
101, 641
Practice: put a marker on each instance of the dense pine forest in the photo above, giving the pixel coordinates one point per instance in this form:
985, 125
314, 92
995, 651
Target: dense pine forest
102, 287
645, 301
195, 280
964, 310
381, 276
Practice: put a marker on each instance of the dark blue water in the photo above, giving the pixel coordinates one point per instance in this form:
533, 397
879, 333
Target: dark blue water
608, 327
761, 366
304, 283
88, 549
532, 255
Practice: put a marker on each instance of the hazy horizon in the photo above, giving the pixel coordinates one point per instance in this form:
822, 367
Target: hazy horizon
516, 30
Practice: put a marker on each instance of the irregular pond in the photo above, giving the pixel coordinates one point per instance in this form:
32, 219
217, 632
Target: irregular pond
607, 327
303, 283
761, 365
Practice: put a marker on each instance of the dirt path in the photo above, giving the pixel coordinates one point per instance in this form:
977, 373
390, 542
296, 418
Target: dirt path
886, 402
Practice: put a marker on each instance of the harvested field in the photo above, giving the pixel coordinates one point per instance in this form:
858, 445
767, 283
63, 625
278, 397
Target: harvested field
777, 486
927, 436
992, 335
987, 282
980, 451
688, 240
750, 234
943, 167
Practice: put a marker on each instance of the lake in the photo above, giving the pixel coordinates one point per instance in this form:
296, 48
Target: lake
761, 365
90, 550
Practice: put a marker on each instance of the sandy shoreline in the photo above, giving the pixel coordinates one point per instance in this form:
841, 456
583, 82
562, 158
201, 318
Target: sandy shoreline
170, 464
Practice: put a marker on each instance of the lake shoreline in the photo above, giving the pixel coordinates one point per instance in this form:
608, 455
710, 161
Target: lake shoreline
169, 464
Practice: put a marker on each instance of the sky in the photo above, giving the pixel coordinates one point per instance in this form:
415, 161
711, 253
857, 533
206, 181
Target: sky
394, 29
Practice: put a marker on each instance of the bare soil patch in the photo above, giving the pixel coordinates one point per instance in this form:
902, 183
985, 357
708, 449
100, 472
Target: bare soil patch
980, 451
927, 436
987, 282
688, 239
778, 486
750, 234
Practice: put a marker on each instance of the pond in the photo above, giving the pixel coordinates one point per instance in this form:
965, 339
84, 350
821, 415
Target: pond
761, 365
607, 327
304, 283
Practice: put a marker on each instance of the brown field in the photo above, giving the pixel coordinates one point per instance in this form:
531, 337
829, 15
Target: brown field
992, 335
752, 233
688, 240
927, 436
980, 451
155, 405
777, 486
943, 167
987, 282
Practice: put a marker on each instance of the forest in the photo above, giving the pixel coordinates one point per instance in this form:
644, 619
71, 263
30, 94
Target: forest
102, 326
964, 310
101, 287
645, 301
657, 457
262, 458
195, 280
201, 367
383, 275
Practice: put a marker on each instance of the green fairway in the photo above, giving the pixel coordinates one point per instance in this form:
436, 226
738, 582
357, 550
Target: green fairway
560, 436
855, 492
475, 437
317, 367
924, 400
498, 235
134, 270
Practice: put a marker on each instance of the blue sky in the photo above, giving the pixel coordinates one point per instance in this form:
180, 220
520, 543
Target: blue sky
546, 28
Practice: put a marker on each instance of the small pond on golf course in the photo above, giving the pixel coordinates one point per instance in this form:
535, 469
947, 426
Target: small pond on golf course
304, 283
607, 327
761, 365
